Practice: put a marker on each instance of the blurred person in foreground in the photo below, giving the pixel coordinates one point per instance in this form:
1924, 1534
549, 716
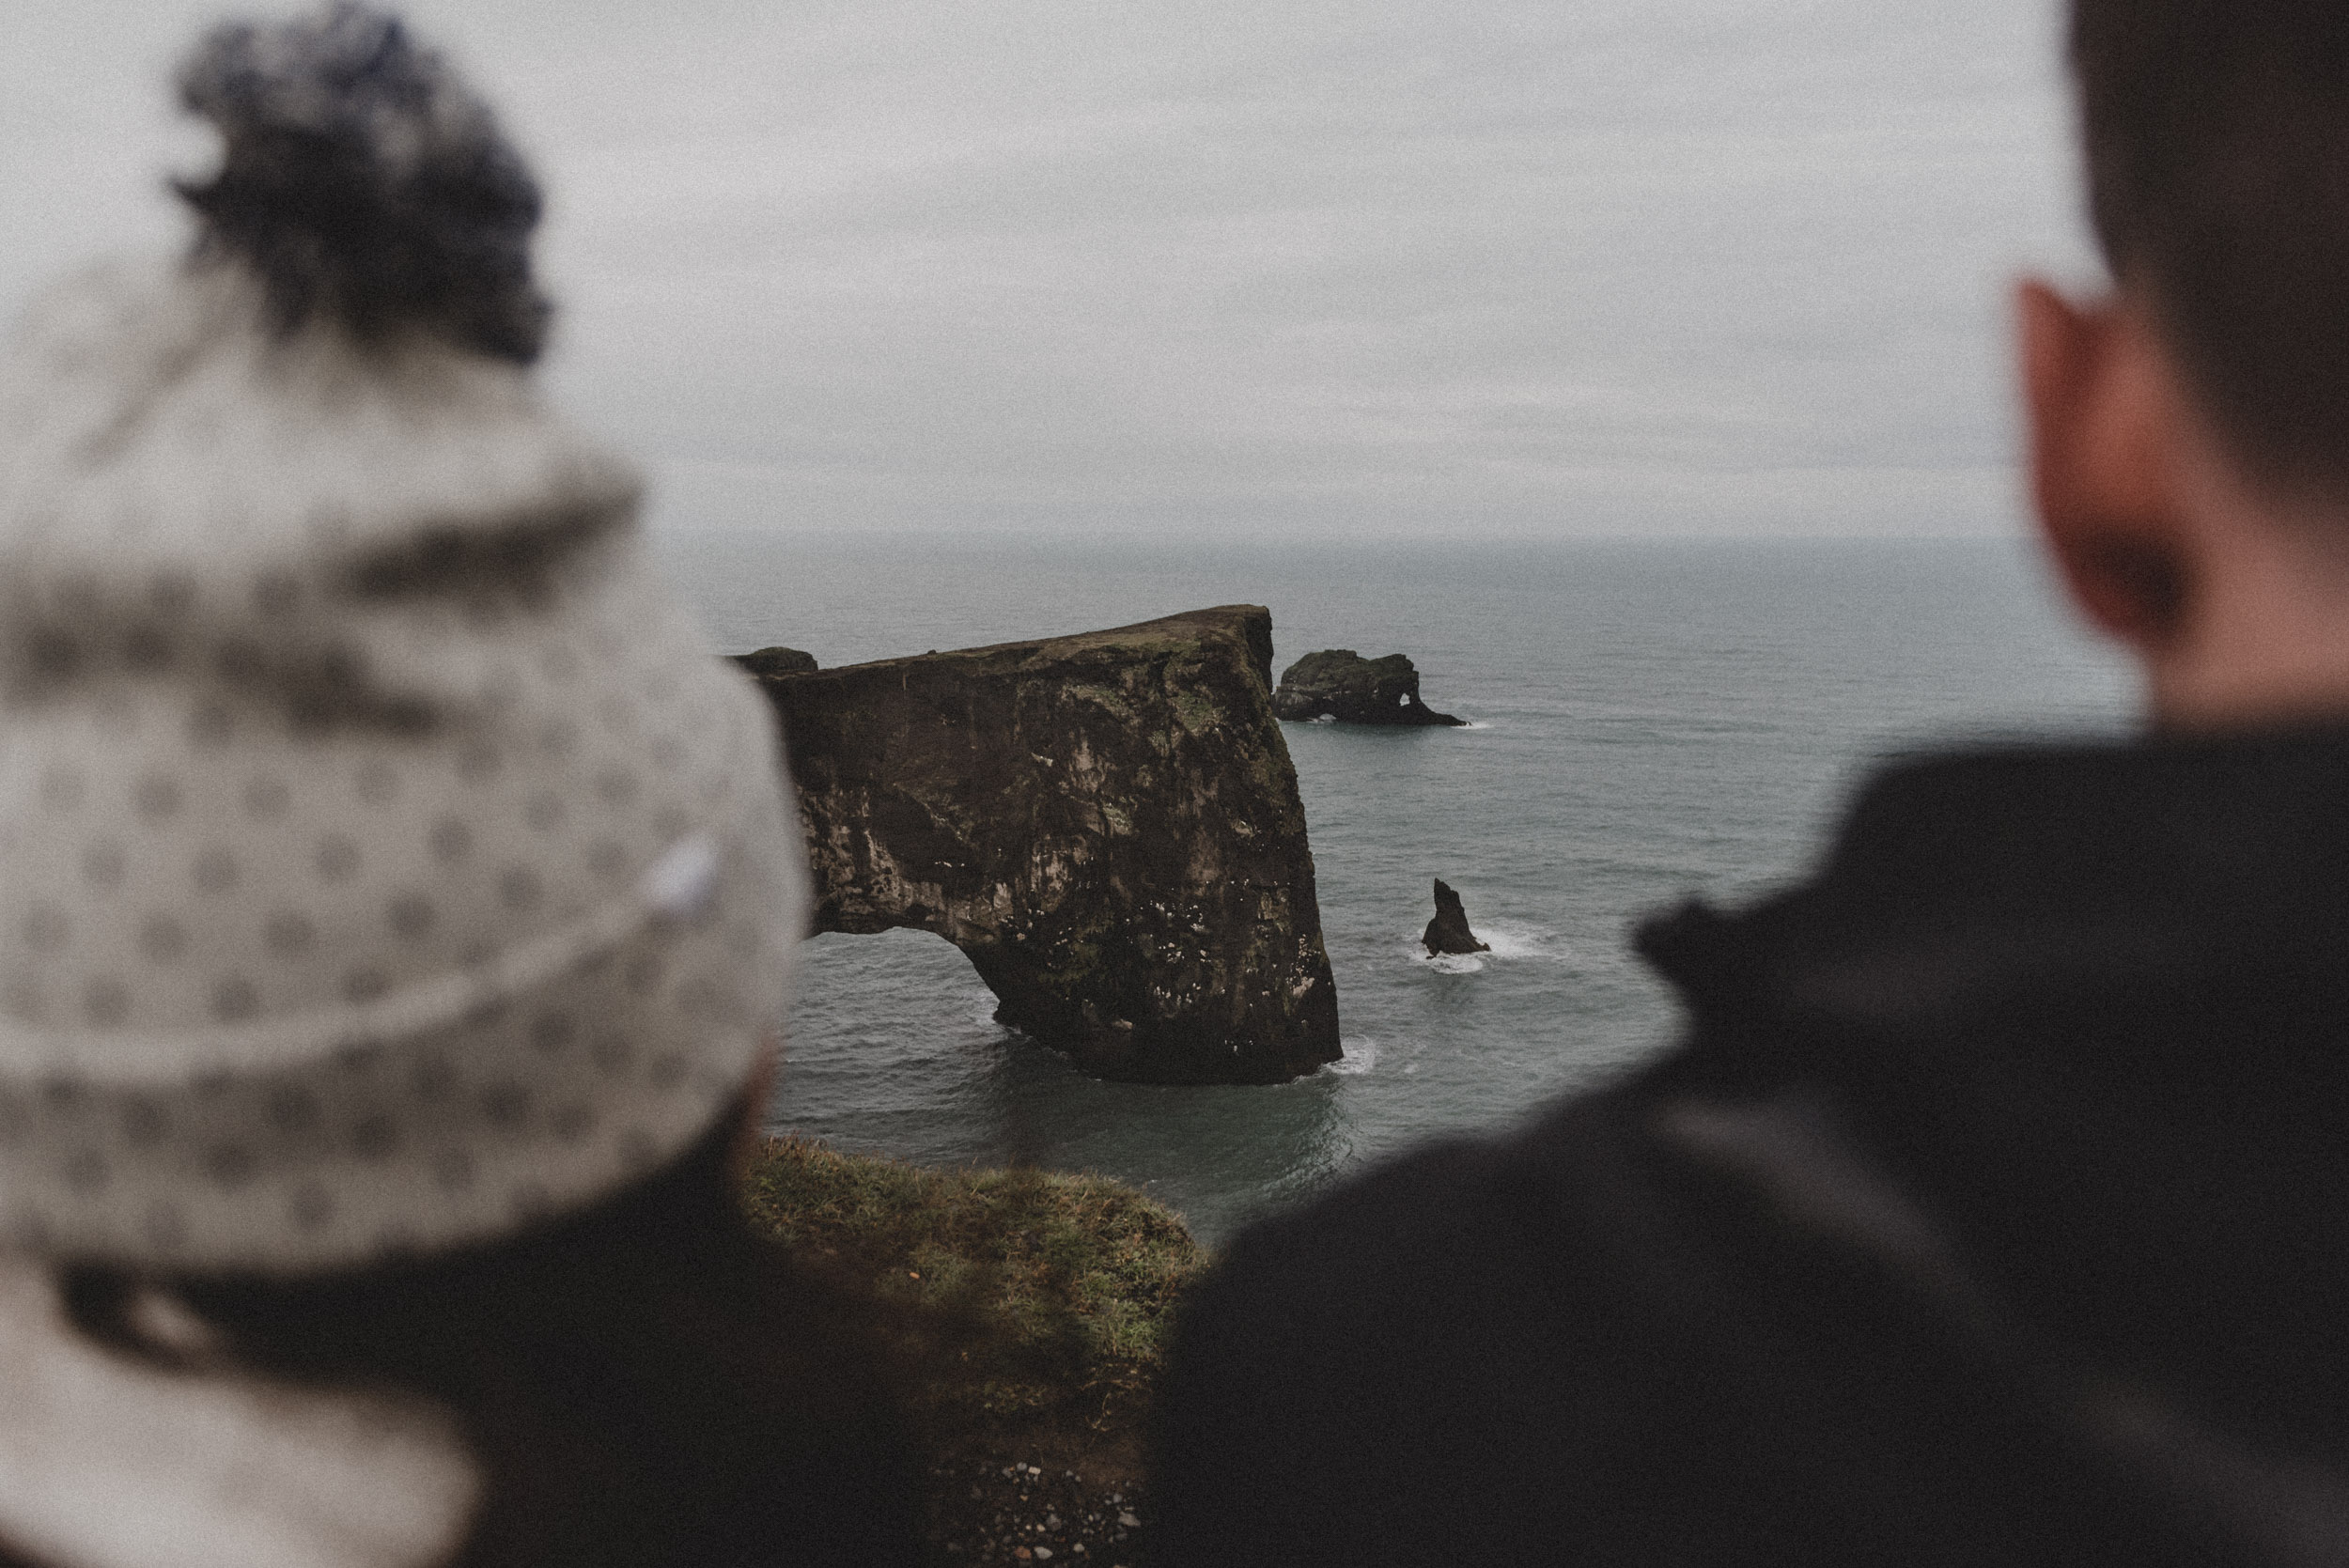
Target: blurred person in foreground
395, 902
1995, 1208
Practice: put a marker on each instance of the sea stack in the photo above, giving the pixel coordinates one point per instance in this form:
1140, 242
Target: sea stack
1449, 931
1108, 825
1341, 684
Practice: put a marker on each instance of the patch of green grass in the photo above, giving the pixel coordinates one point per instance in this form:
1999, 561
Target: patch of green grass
1027, 1297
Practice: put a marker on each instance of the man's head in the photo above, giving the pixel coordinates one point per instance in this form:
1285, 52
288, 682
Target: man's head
2191, 435
2217, 141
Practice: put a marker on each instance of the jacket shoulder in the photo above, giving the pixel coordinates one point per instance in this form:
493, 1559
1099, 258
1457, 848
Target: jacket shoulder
1435, 1362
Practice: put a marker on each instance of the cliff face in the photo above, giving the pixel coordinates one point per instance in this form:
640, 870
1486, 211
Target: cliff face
1339, 683
777, 661
1108, 824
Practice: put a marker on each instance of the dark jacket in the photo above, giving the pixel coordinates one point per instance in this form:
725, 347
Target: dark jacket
1994, 1210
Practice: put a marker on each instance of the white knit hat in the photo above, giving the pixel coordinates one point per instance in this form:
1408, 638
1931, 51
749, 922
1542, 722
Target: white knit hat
385, 863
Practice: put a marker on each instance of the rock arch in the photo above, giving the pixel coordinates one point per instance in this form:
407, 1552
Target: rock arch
1107, 824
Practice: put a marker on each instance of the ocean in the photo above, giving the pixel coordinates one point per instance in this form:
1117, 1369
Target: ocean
1650, 722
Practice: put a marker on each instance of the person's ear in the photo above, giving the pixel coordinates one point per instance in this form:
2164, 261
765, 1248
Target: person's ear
2103, 406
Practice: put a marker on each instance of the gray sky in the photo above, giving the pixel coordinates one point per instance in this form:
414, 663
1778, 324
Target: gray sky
1262, 268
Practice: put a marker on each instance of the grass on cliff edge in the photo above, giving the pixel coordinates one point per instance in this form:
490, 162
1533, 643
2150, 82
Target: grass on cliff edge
1039, 1303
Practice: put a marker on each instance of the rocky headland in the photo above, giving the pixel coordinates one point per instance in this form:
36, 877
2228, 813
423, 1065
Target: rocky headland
1108, 825
1449, 931
777, 661
1341, 684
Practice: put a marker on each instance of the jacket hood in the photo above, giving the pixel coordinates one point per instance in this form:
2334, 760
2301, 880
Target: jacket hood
2090, 1005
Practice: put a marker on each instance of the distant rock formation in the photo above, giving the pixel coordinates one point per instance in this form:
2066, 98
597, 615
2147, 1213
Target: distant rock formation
777, 661
1339, 683
1107, 824
1449, 931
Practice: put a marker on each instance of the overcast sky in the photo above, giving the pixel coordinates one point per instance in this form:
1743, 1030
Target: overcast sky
1491, 267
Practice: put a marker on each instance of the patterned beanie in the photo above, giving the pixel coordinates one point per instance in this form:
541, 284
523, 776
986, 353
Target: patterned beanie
385, 863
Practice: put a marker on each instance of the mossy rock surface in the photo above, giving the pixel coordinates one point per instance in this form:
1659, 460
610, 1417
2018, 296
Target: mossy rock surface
1080, 1268
1033, 1311
1108, 824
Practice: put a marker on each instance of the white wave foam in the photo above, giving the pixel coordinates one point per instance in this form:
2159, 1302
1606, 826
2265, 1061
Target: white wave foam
1361, 1057
1509, 941
1477, 724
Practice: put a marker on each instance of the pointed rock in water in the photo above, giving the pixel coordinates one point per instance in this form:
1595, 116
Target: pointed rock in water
1449, 931
1339, 683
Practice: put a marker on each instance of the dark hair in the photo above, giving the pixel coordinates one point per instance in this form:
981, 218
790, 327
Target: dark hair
648, 1384
2217, 149
364, 183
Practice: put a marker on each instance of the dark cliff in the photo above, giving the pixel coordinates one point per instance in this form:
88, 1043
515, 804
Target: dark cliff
1339, 683
1107, 824
777, 661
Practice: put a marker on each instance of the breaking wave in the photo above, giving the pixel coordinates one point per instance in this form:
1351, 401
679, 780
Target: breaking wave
1510, 940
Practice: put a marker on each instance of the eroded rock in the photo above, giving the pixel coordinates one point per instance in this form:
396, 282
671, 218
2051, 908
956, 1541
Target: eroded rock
1107, 824
1341, 684
1449, 931
777, 661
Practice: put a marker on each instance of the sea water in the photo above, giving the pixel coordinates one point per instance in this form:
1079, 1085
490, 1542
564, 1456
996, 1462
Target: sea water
1648, 722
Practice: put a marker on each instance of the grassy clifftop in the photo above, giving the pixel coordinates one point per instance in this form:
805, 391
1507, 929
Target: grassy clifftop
1036, 1309
1080, 1271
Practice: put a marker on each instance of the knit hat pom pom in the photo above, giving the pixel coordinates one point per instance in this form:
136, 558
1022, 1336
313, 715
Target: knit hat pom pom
364, 183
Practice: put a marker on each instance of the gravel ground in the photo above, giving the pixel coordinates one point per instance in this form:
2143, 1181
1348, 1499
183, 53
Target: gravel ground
1022, 1512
